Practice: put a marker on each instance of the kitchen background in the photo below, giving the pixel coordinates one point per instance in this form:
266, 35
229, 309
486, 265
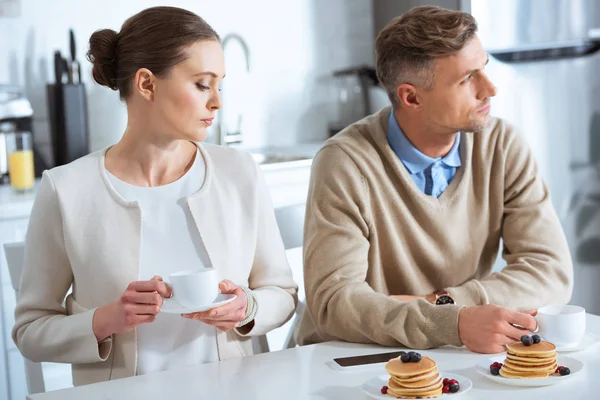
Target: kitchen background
298, 71
286, 96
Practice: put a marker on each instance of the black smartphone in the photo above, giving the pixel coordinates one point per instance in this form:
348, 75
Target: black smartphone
354, 361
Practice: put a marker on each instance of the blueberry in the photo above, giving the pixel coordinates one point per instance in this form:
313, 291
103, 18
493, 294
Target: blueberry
536, 338
495, 371
415, 357
564, 371
405, 358
526, 340
454, 388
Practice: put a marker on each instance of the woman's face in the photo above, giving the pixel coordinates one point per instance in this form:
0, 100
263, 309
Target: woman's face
185, 101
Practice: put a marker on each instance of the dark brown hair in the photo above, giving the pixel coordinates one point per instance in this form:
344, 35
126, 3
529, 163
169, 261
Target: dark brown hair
408, 46
155, 38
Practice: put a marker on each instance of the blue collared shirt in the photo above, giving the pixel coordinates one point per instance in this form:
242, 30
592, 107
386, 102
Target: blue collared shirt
432, 175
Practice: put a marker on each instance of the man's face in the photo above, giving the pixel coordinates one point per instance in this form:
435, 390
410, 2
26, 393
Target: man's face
460, 97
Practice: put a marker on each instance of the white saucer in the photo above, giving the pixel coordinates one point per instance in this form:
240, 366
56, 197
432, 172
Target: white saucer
373, 386
171, 306
589, 340
576, 366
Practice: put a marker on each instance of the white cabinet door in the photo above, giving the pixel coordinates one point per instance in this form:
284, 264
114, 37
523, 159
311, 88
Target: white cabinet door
12, 372
6, 235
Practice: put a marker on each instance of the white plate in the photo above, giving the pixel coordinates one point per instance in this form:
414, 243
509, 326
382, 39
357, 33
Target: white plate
574, 365
171, 306
373, 386
589, 340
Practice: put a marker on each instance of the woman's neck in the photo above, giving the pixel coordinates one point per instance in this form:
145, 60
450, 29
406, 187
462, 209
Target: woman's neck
145, 159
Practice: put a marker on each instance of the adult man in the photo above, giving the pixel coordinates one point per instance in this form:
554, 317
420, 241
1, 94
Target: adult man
407, 207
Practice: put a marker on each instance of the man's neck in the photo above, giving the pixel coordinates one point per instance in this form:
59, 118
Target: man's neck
429, 142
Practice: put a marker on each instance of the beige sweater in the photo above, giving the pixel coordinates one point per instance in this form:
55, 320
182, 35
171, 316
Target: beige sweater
83, 233
370, 232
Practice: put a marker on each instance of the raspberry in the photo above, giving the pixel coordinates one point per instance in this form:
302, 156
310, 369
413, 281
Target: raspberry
453, 381
384, 389
446, 389
446, 381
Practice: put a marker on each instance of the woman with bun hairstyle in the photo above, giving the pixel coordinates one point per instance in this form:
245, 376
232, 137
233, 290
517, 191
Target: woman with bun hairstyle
111, 224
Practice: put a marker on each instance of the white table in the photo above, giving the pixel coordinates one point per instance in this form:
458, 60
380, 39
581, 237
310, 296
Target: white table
302, 373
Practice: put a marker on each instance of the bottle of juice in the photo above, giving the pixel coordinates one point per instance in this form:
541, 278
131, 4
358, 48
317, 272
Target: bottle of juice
20, 162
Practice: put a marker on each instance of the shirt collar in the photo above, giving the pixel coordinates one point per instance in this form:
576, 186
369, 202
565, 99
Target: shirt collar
411, 157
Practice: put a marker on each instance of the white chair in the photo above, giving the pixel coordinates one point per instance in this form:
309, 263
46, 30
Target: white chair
290, 220
15, 255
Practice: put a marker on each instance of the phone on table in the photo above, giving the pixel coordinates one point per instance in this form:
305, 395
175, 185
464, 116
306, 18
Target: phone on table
357, 361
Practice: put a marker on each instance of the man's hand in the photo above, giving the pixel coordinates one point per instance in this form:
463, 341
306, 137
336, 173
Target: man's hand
489, 328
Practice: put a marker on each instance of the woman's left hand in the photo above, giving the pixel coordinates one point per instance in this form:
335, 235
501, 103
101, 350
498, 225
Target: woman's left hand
228, 316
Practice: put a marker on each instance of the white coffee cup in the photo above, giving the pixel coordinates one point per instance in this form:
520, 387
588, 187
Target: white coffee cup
196, 287
563, 325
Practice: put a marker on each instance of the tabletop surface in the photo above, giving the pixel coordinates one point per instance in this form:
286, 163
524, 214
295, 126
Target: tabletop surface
306, 373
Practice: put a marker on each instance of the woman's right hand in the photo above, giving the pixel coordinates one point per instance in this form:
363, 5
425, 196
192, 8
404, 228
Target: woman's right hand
139, 304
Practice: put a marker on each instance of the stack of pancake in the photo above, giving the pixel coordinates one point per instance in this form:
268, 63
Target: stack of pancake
414, 379
529, 362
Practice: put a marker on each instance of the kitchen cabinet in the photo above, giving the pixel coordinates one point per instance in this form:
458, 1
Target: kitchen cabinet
12, 376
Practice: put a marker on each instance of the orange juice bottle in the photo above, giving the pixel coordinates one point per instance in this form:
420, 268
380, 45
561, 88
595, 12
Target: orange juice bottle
20, 162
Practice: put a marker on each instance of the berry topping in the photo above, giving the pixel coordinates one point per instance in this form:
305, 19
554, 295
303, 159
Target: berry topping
558, 369
526, 340
415, 357
453, 381
564, 371
454, 388
384, 389
536, 338
446, 389
405, 358
446, 381
495, 371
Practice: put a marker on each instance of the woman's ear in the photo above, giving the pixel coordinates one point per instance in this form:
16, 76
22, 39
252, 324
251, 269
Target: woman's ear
145, 83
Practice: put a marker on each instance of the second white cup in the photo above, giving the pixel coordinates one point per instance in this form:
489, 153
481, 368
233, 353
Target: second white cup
194, 288
563, 325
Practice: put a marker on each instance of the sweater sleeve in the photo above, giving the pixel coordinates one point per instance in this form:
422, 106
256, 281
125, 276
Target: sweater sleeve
336, 246
270, 279
539, 269
43, 329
